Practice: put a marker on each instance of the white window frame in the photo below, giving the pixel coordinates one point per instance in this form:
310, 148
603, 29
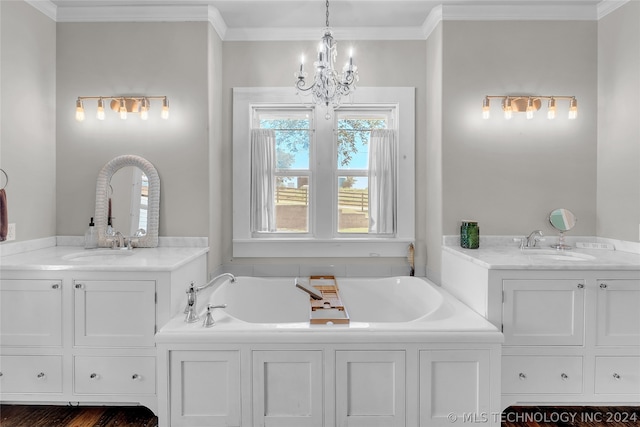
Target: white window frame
331, 244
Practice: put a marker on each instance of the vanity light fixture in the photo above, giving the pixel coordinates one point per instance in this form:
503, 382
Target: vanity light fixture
528, 104
123, 105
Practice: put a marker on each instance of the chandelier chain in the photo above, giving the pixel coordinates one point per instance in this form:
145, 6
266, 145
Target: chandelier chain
327, 21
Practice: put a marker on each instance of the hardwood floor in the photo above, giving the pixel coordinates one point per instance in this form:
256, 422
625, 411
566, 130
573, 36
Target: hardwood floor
76, 416
128, 416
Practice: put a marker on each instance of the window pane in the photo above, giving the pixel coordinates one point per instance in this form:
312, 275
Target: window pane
353, 204
353, 139
292, 204
292, 137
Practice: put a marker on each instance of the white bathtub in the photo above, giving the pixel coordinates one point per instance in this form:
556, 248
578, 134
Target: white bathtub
263, 363
389, 304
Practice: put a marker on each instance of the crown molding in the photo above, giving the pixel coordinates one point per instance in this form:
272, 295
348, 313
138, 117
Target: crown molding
314, 33
208, 13
519, 13
605, 7
46, 7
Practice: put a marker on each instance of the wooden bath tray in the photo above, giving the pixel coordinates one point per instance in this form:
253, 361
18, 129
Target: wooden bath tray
330, 308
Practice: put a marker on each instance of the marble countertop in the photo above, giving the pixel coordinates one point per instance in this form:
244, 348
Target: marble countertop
507, 256
101, 259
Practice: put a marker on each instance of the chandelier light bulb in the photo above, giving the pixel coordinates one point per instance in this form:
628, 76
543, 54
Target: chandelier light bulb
79, 111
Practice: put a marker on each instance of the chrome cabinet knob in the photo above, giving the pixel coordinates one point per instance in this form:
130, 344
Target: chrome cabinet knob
94, 376
603, 286
41, 376
580, 285
522, 376
564, 376
136, 377
78, 285
616, 377
55, 286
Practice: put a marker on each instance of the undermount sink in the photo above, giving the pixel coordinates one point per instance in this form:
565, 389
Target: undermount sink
555, 255
98, 255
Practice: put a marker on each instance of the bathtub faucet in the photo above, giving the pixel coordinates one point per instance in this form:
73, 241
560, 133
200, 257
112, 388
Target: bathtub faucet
191, 310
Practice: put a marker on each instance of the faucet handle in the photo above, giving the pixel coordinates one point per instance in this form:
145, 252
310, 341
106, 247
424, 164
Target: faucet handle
208, 319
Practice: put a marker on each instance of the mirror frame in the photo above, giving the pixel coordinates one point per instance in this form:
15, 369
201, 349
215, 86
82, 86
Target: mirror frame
149, 240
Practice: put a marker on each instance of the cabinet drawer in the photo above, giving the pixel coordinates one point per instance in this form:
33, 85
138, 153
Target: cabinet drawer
617, 375
31, 374
114, 375
542, 374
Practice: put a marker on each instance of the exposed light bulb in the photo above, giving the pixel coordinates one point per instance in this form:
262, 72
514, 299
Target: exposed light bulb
508, 110
530, 109
100, 113
551, 110
144, 109
79, 111
123, 109
486, 108
165, 109
573, 109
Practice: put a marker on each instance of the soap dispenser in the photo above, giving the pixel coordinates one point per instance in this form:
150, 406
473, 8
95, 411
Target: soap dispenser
91, 236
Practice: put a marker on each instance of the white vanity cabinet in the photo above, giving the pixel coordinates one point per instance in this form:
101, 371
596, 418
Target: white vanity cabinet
85, 333
571, 334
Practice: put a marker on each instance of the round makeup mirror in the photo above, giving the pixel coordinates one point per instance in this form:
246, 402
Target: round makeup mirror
562, 220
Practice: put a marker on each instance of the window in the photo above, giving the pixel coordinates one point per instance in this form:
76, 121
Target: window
306, 186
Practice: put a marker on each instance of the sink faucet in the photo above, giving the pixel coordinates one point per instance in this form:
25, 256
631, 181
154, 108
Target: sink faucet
191, 310
117, 241
531, 241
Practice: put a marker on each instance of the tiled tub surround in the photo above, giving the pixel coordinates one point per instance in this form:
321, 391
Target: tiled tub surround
571, 320
80, 328
412, 355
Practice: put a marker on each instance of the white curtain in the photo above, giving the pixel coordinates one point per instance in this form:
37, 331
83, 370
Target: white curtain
263, 164
382, 181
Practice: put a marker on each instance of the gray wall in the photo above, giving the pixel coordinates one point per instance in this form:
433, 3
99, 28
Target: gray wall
132, 59
27, 122
509, 175
619, 123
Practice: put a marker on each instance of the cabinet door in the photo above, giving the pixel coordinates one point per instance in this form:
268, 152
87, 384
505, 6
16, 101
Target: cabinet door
370, 388
618, 312
31, 312
455, 383
205, 388
287, 388
543, 312
115, 313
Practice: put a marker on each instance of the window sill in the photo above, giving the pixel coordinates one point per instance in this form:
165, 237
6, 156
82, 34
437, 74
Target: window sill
334, 248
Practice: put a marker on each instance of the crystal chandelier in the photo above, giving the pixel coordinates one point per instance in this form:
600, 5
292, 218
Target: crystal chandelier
328, 85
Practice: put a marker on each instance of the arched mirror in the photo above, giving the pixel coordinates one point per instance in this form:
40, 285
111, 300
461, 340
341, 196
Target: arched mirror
128, 199
562, 220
